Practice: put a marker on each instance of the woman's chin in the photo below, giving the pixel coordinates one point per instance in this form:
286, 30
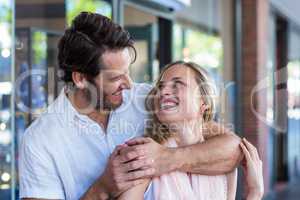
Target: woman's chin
169, 118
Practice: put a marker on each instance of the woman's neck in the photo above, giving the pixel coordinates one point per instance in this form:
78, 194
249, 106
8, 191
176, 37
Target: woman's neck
188, 132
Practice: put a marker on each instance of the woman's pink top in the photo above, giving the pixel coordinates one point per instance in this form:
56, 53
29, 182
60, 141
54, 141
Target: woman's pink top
182, 186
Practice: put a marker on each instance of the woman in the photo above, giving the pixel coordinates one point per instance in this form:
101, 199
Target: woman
180, 105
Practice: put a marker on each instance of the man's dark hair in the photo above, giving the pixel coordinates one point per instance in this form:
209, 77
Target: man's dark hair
81, 47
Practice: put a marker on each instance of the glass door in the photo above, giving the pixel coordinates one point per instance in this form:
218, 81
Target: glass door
143, 68
142, 25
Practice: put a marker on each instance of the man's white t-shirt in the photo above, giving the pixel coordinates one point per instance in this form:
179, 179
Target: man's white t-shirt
63, 152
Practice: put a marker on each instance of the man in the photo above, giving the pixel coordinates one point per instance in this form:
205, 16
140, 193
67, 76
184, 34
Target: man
86, 146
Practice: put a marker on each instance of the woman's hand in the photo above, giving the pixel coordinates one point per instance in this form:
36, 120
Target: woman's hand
252, 166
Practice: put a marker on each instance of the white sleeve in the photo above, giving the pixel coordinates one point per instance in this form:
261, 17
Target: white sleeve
38, 175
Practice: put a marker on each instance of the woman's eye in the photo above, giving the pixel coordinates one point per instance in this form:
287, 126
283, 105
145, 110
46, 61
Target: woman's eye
160, 86
178, 83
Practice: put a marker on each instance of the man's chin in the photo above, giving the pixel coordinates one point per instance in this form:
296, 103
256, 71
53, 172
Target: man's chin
109, 106
115, 104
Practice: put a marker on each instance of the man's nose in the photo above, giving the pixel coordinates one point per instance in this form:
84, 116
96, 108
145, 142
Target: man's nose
127, 84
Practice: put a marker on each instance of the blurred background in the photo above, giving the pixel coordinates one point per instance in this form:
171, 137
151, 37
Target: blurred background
251, 48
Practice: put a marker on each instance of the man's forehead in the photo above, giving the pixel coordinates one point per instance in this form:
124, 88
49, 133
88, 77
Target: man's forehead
121, 70
116, 59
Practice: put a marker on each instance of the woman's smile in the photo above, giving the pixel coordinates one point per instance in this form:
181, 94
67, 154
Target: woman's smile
169, 104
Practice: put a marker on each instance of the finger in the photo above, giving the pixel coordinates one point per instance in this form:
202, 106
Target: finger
141, 148
133, 183
132, 154
137, 164
116, 151
246, 152
248, 144
138, 140
130, 176
251, 148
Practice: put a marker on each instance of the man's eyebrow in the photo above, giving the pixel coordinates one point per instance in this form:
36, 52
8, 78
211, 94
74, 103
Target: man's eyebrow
115, 75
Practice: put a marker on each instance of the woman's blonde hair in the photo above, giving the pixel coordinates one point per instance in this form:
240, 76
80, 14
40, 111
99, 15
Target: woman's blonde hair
159, 131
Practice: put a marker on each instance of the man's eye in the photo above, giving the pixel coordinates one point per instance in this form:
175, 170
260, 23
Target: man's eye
115, 78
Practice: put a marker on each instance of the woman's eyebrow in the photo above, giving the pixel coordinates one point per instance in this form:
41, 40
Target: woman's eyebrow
173, 79
160, 82
176, 78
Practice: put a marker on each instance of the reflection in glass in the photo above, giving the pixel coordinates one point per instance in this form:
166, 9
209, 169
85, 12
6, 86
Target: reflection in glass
293, 88
139, 70
39, 70
98, 6
198, 46
271, 62
6, 135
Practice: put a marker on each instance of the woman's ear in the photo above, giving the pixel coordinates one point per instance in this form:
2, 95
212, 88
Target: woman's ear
203, 108
79, 80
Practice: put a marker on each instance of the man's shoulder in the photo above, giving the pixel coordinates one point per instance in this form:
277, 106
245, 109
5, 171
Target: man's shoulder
141, 88
42, 129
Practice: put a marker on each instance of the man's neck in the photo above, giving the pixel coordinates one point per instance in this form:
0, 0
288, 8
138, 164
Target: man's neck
83, 107
100, 117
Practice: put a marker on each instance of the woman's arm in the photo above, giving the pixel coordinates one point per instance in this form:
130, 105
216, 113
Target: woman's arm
231, 184
136, 192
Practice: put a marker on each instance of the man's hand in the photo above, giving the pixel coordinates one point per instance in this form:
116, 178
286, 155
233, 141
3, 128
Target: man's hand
118, 176
217, 155
159, 158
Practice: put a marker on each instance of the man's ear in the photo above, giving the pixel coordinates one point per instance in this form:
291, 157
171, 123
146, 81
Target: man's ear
79, 80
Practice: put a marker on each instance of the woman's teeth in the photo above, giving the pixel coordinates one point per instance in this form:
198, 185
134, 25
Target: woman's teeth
168, 106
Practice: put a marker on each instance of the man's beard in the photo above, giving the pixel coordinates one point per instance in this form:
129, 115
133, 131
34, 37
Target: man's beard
102, 102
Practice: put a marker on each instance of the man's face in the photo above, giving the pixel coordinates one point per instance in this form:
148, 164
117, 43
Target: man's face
113, 79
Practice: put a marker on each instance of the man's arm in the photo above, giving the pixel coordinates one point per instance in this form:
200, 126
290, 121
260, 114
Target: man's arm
212, 129
119, 176
219, 154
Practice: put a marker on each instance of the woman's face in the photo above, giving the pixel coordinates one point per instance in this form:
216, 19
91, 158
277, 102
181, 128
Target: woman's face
178, 96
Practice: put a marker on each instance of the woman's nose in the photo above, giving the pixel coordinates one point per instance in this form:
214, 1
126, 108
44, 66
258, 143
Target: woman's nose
167, 89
